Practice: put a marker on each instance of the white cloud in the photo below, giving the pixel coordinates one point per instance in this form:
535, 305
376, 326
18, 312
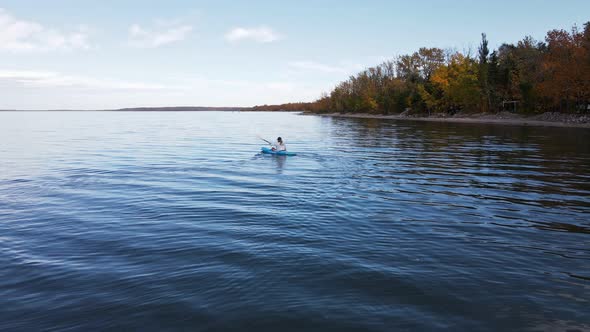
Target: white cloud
51, 79
48, 79
260, 34
315, 66
21, 89
343, 67
165, 33
18, 35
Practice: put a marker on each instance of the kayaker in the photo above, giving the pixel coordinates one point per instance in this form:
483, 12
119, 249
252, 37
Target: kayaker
279, 145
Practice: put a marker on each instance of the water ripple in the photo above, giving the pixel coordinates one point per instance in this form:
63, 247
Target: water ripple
157, 221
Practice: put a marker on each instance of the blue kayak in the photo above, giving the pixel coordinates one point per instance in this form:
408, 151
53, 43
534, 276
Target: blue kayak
278, 153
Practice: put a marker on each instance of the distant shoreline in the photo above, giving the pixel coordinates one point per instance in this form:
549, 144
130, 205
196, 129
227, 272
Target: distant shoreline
148, 109
546, 119
505, 118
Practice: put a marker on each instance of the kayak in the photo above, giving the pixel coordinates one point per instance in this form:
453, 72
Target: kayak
278, 153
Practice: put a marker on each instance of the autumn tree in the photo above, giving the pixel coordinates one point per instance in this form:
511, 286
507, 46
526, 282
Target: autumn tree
519, 72
408, 67
550, 75
566, 68
459, 83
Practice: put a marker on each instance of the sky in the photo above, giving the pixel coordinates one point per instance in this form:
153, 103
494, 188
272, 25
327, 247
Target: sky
107, 54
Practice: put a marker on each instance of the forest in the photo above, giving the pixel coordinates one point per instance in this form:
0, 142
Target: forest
527, 77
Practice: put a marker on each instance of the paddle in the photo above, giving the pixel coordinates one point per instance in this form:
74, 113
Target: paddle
269, 143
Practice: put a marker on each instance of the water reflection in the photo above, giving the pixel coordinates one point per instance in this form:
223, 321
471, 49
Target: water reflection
562, 227
280, 162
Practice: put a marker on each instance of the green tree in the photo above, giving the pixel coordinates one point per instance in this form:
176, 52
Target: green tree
483, 73
493, 79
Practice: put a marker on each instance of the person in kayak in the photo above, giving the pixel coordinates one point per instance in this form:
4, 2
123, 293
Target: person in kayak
279, 145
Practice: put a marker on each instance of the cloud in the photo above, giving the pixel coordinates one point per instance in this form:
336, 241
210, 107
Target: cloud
164, 34
343, 67
51, 79
260, 34
18, 35
39, 89
48, 79
315, 66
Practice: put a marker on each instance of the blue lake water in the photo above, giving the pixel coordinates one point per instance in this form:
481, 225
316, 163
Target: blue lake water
173, 221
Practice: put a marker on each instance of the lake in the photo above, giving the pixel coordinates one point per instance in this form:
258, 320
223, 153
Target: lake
174, 221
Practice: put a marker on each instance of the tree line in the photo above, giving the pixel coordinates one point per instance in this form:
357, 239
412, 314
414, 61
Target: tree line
527, 77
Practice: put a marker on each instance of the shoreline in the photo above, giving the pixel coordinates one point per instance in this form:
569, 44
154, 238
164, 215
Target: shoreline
500, 119
505, 118
143, 109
